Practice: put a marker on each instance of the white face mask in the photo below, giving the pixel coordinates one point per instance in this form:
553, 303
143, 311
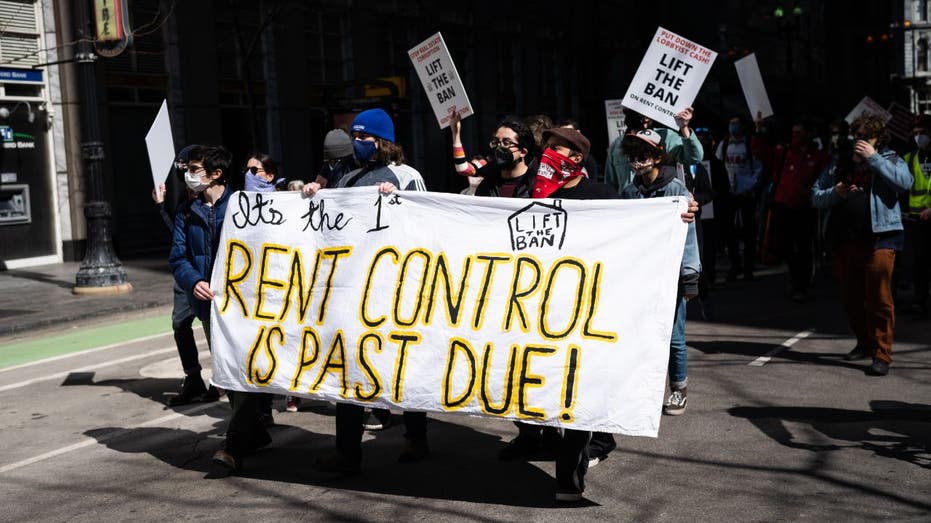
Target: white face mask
194, 182
922, 140
642, 168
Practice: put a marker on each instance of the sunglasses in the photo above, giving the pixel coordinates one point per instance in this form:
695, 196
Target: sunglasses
254, 169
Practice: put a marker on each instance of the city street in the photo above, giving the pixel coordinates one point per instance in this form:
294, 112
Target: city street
779, 428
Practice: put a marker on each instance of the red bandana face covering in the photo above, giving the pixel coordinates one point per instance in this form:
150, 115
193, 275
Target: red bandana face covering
555, 171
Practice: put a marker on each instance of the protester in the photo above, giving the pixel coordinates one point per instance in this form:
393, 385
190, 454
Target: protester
796, 166
510, 169
861, 189
338, 158
918, 215
198, 226
560, 176
745, 177
261, 175
296, 185
193, 388
382, 162
681, 147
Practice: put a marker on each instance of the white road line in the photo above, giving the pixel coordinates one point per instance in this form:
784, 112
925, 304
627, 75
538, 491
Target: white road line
108, 436
784, 346
83, 352
148, 354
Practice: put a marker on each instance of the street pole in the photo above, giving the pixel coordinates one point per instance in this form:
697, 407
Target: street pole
101, 271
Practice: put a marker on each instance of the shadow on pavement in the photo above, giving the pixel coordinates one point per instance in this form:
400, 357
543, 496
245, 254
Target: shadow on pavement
462, 464
892, 429
755, 350
153, 389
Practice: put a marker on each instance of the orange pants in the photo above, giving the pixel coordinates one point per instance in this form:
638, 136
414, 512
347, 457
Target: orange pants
865, 278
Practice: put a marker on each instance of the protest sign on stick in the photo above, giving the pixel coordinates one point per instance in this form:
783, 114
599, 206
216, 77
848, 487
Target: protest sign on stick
161, 146
493, 307
440, 80
868, 106
901, 123
669, 77
614, 114
751, 81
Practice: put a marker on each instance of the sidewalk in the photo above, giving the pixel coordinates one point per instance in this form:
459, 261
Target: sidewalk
40, 297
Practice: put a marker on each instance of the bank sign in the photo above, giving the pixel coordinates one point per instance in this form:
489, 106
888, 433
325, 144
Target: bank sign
24, 76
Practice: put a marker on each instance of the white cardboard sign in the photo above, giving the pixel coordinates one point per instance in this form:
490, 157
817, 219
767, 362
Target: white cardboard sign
440, 80
614, 114
868, 106
161, 146
669, 77
503, 308
751, 81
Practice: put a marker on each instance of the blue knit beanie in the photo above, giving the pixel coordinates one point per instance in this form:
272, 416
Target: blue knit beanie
374, 122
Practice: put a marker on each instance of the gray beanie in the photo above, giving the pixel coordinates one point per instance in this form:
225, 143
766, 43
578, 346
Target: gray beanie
337, 144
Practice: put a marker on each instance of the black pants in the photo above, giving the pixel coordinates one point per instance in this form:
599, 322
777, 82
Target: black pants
707, 232
349, 429
245, 430
572, 460
739, 224
795, 229
918, 234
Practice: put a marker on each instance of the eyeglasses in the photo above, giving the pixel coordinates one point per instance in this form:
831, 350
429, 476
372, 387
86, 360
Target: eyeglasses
507, 143
194, 168
861, 137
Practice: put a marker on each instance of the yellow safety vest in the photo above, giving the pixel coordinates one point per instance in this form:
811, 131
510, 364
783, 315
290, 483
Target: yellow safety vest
919, 196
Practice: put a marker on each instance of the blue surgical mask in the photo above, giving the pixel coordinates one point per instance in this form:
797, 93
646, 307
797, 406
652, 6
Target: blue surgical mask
733, 128
254, 182
364, 150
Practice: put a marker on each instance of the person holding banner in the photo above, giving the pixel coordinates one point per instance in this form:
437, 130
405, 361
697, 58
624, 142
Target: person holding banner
193, 388
861, 190
681, 147
383, 165
338, 158
512, 167
560, 177
196, 241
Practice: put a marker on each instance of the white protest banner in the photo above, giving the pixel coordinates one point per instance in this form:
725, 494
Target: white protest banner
614, 113
751, 81
439, 77
497, 307
161, 146
669, 77
868, 106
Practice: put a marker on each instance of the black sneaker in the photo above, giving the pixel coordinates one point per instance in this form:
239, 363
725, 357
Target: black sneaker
878, 368
568, 495
225, 460
858, 353
521, 447
192, 391
212, 394
677, 402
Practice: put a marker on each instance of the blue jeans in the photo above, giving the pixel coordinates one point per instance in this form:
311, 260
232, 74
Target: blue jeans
678, 359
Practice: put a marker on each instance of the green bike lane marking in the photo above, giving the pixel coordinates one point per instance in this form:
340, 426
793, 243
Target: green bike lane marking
82, 339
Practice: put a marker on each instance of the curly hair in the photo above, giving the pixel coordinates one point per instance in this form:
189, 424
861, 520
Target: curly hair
635, 148
389, 152
874, 127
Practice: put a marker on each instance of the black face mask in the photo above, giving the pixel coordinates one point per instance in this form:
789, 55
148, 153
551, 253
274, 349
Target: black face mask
504, 159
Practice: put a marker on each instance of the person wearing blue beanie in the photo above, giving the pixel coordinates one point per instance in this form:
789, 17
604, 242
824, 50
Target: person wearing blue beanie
382, 164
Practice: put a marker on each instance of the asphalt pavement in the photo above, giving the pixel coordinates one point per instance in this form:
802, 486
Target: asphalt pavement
779, 428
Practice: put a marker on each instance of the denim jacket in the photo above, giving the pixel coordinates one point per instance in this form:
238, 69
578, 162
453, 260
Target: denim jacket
690, 268
890, 177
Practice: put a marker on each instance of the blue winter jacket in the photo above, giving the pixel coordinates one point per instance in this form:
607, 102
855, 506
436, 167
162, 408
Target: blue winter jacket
667, 185
195, 245
890, 177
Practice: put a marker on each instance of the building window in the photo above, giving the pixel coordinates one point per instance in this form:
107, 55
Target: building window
19, 38
921, 8
921, 56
